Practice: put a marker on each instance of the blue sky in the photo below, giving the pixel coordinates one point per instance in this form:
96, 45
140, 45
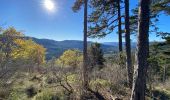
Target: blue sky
31, 17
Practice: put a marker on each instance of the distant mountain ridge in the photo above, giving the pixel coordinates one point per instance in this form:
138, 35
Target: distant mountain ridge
56, 48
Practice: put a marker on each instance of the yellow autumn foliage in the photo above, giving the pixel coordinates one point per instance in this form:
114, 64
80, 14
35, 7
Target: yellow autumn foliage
70, 58
15, 46
29, 50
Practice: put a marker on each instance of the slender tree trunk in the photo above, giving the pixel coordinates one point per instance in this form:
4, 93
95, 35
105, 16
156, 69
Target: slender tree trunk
119, 26
85, 72
139, 85
128, 45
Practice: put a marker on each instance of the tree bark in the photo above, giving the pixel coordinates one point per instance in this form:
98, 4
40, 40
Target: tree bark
119, 26
128, 45
85, 72
139, 85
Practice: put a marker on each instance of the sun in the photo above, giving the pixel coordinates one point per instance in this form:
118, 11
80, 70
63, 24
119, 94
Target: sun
49, 5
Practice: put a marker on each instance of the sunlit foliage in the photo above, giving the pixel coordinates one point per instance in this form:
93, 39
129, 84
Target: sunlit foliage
14, 46
70, 58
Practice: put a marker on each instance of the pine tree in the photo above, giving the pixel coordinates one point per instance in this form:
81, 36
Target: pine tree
128, 45
104, 18
161, 6
119, 24
139, 84
85, 72
77, 7
96, 56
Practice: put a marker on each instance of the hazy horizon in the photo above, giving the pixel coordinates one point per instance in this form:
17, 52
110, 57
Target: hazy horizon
93, 40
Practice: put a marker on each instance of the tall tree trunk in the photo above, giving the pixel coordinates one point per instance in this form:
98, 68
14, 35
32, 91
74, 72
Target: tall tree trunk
85, 72
128, 45
139, 86
119, 26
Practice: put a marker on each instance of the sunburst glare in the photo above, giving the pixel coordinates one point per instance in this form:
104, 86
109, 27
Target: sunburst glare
50, 5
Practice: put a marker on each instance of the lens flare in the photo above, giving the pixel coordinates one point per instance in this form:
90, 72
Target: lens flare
49, 5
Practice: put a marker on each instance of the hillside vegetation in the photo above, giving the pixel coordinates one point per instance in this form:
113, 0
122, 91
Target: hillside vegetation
28, 76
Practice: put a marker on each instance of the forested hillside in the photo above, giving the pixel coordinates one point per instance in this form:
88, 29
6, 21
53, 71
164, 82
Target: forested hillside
56, 48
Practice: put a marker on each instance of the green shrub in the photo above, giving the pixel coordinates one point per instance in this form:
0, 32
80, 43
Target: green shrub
118, 89
47, 96
4, 92
161, 95
99, 83
17, 94
31, 91
51, 95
